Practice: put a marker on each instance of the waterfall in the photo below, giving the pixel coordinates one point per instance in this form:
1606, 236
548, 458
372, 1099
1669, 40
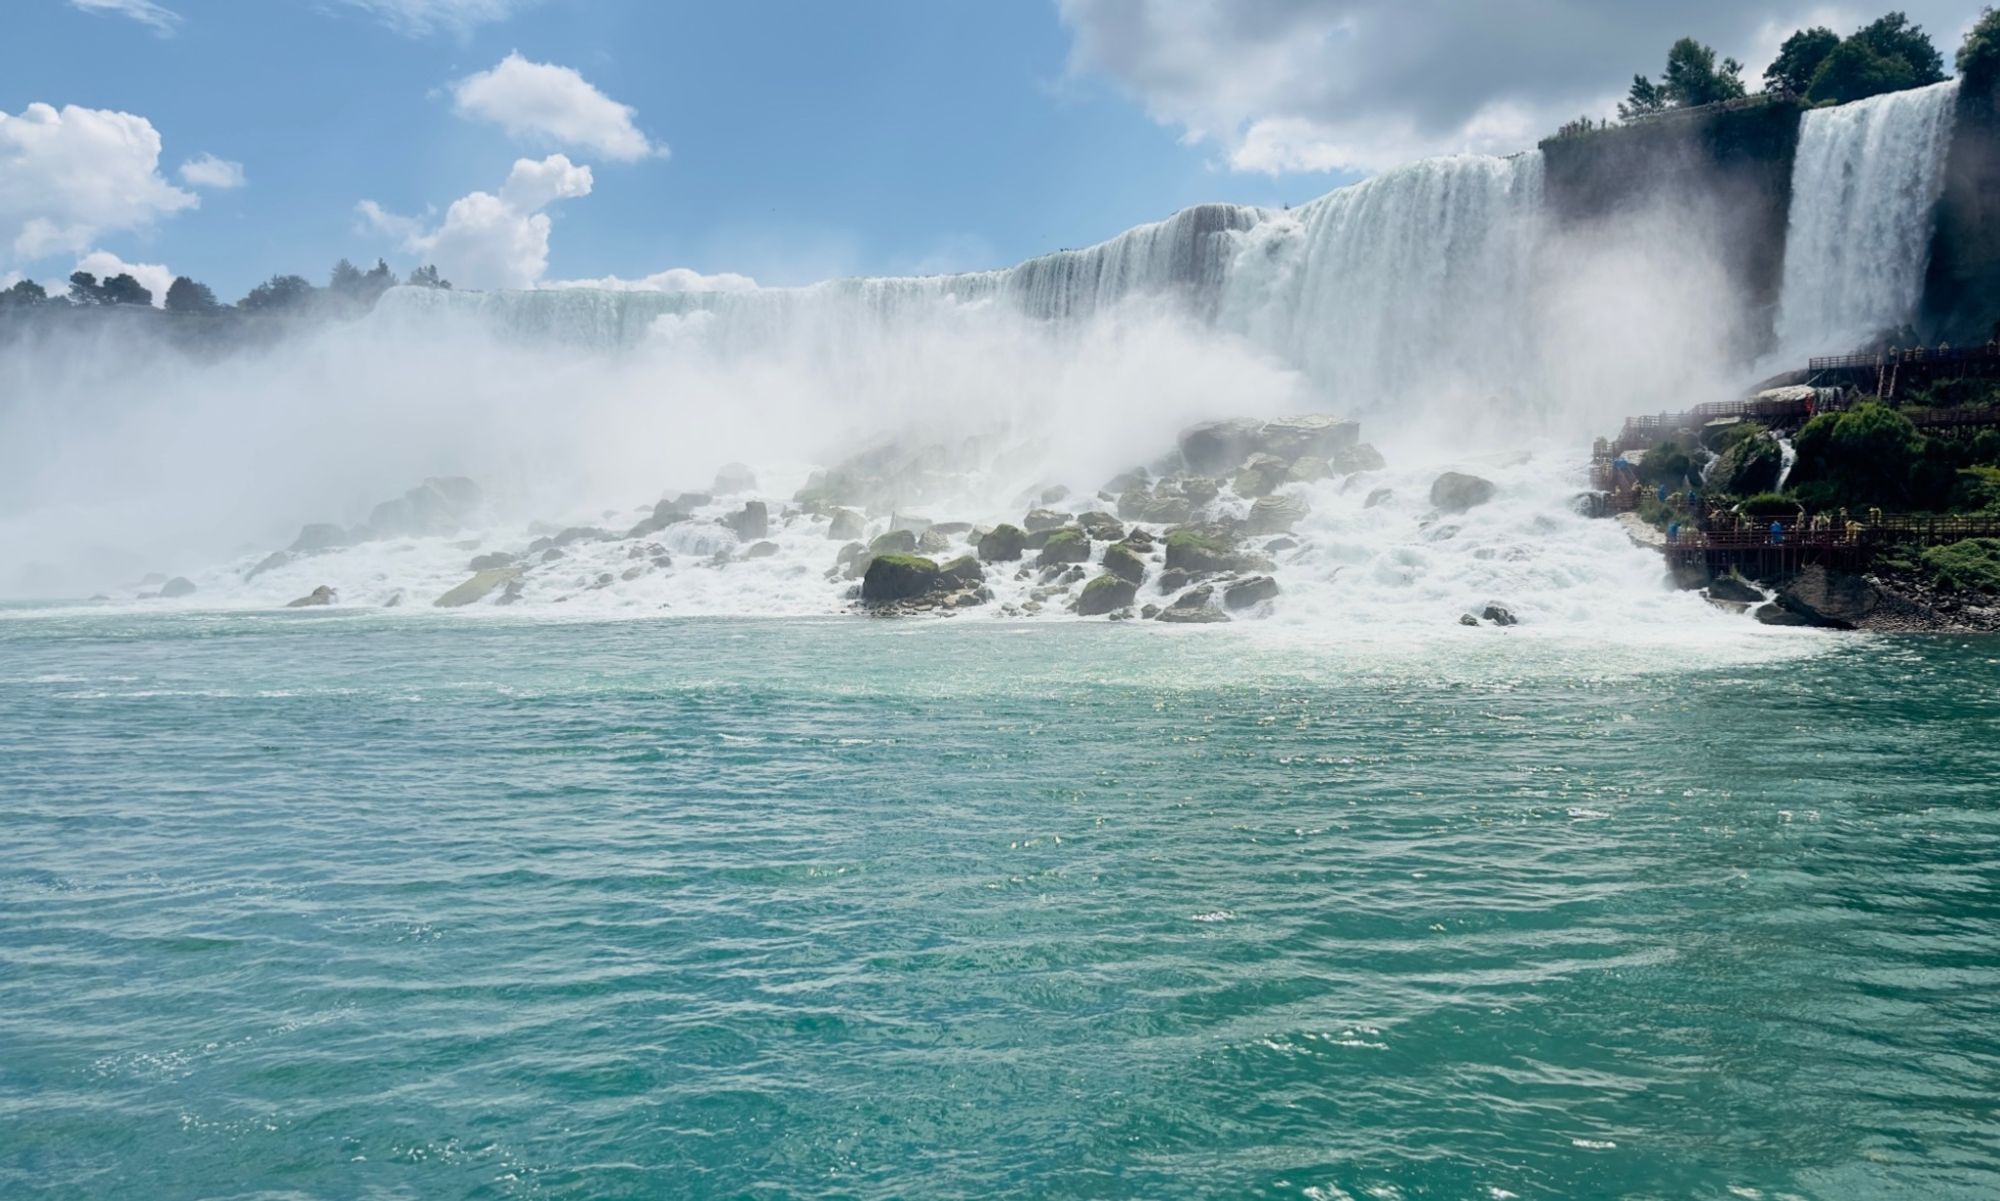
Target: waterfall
1864, 185
1788, 458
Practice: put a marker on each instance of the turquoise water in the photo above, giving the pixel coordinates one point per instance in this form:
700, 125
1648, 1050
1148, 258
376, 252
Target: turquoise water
338, 906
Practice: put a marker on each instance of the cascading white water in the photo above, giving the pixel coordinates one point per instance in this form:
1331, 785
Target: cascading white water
1788, 458
1864, 186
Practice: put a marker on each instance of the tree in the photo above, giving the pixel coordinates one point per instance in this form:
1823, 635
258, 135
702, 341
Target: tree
1799, 59
1979, 57
378, 280
1693, 79
280, 293
25, 294
123, 289
1854, 71
427, 277
1644, 98
84, 289
186, 296
346, 280
1893, 37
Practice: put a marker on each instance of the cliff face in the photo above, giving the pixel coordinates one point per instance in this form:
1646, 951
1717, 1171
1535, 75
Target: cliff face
1962, 286
1728, 171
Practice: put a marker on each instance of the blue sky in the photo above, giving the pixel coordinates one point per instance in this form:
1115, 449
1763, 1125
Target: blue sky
804, 138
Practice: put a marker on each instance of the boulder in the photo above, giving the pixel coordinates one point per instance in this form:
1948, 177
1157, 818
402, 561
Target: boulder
1192, 607
930, 542
176, 588
751, 522
321, 595
1276, 514
953, 529
1467, 619
440, 506
1122, 561
1135, 480
735, 477
317, 537
1378, 496
1196, 549
570, 537
1307, 434
905, 521
1835, 599
1277, 544
1106, 594
895, 577
1139, 539
1219, 447
1102, 527
1149, 612
1455, 492
1002, 544
488, 562
1165, 510
1044, 519
1055, 494
1307, 470
1065, 546
270, 562
1359, 457
761, 550
1254, 591
963, 572
1172, 580
1261, 475
894, 542
1733, 589
1132, 503
847, 525
1499, 615
478, 587
1198, 489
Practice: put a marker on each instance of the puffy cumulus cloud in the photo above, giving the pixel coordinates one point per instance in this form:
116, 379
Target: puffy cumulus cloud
419, 18
1360, 85
68, 175
154, 276
209, 171
673, 279
543, 101
489, 241
160, 20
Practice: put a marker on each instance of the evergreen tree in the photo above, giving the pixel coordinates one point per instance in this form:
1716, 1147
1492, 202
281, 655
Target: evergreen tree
186, 296
427, 277
280, 293
346, 280
1644, 98
25, 294
1693, 79
1893, 37
84, 289
123, 289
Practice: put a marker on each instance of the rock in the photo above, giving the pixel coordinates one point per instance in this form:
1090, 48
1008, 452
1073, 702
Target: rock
931, 542
317, 537
1734, 589
735, 477
1835, 599
963, 571
1199, 489
1359, 457
1277, 544
552, 554
1106, 594
488, 562
1775, 614
1044, 519
1193, 606
1002, 544
1196, 550
894, 542
1172, 580
852, 560
751, 522
1276, 514
1308, 470
953, 529
1467, 619
1253, 591
440, 506
1260, 476
761, 550
1064, 546
321, 595
905, 521
477, 587
1102, 527
1314, 434
1132, 503
1499, 615
1121, 561
176, 588
1455, 492
1378, 496
1149, 612
1166, 510
1135, 480
1139, 539
570, 537
270, 562
1219, 447
1054, 495
897, 577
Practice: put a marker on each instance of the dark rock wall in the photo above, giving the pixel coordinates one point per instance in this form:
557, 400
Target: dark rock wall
1962, 286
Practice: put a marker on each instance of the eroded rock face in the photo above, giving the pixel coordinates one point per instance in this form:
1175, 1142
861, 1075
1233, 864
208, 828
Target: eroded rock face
1277, 514
478, 587
1455, 492
1836, 599
751, 522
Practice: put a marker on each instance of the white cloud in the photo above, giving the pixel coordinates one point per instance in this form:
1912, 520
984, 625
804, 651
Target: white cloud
1359, 85
673, 279
67, 176
209, 171
418, 18
489, 241
155, 276
145, 12
543, 101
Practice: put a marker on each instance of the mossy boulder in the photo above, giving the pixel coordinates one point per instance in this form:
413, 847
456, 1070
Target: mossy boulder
896, 577
1106, 594
1122, 561
1044, 519
1102, 527
1064, 546
963, 572
1261, 475
1002, 544
895, 542
1195, 550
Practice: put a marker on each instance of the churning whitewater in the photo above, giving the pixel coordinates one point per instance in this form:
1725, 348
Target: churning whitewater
1438, 304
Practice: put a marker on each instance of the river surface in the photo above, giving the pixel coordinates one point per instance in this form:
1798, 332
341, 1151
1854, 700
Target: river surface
344, 905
